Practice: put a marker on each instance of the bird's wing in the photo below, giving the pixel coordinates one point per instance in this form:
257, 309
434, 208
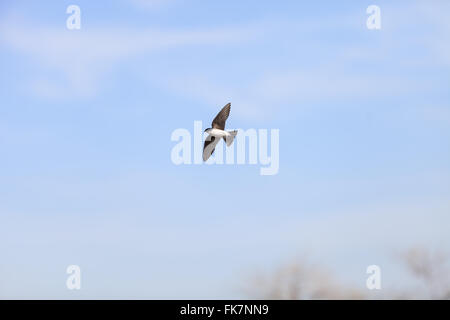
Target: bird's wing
209, 146
222, 116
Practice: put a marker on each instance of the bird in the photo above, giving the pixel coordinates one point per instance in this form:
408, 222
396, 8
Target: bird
217, 132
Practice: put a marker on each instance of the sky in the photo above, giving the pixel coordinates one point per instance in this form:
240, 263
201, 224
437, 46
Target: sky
86, 118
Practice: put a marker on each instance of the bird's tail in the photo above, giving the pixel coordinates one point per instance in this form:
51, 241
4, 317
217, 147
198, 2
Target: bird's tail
229, 139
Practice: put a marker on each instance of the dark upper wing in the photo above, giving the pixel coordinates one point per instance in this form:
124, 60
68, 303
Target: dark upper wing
222, 116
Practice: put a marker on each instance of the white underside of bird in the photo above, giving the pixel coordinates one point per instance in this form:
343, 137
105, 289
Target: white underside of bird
219, 133
227, 135
215, 135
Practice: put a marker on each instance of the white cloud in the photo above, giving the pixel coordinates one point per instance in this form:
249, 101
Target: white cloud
359, 69
151, 4
83, 57
263, 96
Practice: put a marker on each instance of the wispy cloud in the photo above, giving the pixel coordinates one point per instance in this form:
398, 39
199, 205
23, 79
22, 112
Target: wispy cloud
263, 96
151, 4
84, 57
375, 66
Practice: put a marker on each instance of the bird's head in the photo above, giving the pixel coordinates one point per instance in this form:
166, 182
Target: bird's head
207, 130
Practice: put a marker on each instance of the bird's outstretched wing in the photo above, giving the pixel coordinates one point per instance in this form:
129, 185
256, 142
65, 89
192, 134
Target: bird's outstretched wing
222, 116
209, 146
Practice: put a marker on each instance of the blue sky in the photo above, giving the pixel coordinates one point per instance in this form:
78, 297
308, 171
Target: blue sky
86, 118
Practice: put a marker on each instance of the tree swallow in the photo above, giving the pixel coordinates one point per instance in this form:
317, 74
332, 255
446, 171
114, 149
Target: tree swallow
218, 131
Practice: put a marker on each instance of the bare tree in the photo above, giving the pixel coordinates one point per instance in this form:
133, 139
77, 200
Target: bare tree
300, 280
431, 268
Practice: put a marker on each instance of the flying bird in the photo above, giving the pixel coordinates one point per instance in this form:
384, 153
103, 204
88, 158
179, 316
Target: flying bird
217, 132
